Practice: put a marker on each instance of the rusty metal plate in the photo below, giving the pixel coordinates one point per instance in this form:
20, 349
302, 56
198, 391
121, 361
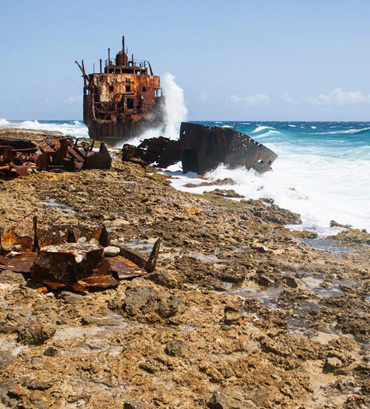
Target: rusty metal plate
19, 264
125, 268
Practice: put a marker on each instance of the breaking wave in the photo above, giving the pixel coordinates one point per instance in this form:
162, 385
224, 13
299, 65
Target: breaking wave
262, 128
3, 122
176, 112
321, 177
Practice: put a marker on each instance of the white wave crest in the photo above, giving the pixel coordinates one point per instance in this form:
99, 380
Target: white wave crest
3, 122
262, 128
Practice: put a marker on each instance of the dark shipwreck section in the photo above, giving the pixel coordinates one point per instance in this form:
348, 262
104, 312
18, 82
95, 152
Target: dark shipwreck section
201, 149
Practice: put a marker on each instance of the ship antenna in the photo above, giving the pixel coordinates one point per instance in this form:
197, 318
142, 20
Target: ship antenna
123, 43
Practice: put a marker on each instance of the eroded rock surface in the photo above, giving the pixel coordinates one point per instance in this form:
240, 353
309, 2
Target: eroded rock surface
240, 313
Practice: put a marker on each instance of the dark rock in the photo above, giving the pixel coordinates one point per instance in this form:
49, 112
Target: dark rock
170, 307
291, 282
176, 348
70, 298
333, 223
41, 386
34, 333
226, 193
51, 351
264, 281
141, 300
6, 358
304, 234
232, 315
134, 404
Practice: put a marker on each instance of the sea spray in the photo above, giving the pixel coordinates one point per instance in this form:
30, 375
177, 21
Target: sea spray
175, 113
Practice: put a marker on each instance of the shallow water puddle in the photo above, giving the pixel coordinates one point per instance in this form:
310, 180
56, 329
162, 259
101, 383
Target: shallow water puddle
66, 210
329, 245
267, 296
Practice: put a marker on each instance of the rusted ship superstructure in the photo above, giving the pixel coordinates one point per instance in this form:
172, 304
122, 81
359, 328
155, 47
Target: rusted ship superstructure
123, 99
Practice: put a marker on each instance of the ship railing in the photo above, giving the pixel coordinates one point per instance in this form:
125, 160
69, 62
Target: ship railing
137, 63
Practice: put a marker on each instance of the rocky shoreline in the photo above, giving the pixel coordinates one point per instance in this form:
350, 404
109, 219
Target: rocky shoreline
240, 313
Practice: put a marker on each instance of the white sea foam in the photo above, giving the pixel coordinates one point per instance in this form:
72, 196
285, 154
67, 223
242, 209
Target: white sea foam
292, 126
318, 187
76, 128
3, 122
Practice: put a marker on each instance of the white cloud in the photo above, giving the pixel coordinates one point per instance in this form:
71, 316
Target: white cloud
287, 99
338, 97
73, 100
257, 99
204, 97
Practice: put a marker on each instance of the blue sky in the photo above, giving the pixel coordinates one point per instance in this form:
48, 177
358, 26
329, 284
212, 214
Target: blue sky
235, 60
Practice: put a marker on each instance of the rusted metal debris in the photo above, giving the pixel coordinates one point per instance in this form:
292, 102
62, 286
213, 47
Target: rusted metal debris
201, 149
162, 151
70, 257
54, 154
122, 99
204, 148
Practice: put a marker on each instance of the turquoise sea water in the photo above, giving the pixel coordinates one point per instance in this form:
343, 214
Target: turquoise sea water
322, 172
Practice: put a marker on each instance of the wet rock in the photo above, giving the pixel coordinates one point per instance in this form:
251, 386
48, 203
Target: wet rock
176, 348
305, 234
226, 193
291, 282
111, 251
264, 281
34, 333
168, 279
333, 223
353, 236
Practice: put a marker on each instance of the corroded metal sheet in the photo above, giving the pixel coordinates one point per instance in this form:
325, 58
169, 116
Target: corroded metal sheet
19, 264
204, 148
124, 268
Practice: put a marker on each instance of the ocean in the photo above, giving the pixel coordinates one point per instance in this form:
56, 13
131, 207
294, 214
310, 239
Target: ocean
322, 172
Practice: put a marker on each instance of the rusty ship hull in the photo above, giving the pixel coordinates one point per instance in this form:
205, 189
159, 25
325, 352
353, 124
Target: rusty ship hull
123, 99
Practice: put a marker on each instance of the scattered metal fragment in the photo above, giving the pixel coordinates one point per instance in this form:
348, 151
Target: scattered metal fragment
124, 268
19, 264
81, 264
147, 265
162, 151
70, 256
56, 153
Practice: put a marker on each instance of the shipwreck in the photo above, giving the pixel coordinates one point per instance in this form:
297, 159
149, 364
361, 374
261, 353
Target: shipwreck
201, 149
123, 99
